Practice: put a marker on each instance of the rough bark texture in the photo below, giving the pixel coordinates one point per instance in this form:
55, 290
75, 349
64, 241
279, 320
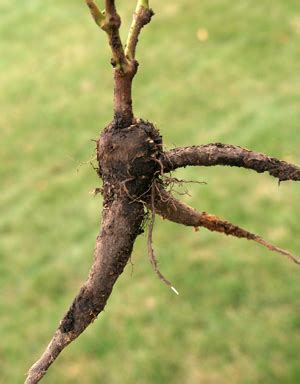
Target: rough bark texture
229, 155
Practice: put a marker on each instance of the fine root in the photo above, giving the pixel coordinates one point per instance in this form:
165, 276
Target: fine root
152, 257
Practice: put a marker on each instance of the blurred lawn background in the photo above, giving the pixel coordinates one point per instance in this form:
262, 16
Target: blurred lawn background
209, 71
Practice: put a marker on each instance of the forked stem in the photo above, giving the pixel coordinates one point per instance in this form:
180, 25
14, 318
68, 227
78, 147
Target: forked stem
124, 63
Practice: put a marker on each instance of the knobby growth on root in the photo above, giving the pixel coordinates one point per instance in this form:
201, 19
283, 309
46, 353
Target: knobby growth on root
132, 166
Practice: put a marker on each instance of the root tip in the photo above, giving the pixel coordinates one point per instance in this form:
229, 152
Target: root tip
174, 290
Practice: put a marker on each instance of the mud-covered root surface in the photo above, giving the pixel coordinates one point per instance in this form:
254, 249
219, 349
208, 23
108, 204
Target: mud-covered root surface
129, 159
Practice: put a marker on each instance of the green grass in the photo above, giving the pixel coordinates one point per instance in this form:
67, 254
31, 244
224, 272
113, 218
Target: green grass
236, 319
